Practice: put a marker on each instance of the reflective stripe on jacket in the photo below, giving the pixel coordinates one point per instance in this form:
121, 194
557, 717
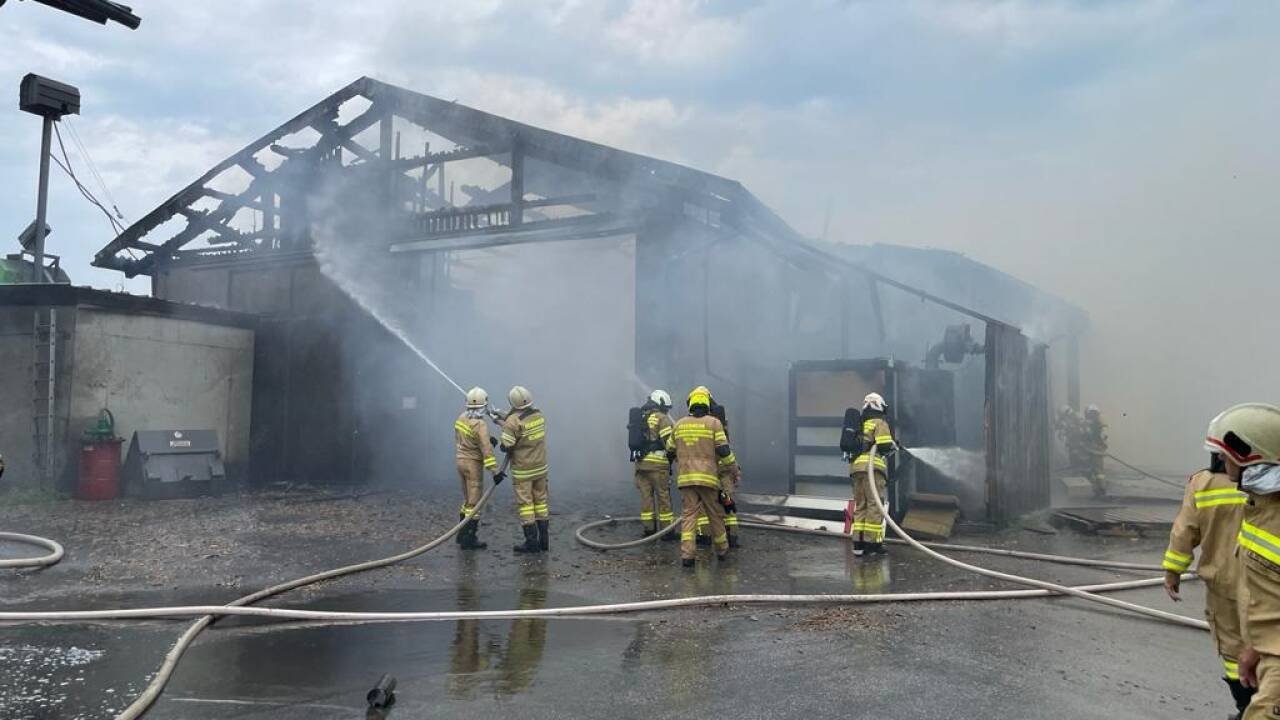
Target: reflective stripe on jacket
524, 438
658, 430
471, 437
876, 431
694, 441
1209, 518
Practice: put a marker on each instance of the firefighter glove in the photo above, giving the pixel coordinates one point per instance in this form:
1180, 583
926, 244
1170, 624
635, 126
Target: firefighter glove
498, 477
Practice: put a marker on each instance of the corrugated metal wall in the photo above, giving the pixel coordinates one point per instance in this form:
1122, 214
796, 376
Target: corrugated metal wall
1017, 419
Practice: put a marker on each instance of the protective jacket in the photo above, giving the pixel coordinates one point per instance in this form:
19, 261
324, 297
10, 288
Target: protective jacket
1259, 590
472, 439
1209, 518
699, 443
876, 430
524, 439
658, 427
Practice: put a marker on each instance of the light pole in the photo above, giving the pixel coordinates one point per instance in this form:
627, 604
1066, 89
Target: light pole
50, 100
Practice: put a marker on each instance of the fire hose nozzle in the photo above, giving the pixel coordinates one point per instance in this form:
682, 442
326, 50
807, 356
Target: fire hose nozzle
383, 694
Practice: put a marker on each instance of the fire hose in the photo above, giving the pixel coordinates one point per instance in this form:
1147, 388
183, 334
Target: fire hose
207, 613
55, 551
995, 574
758, 523
1018, 579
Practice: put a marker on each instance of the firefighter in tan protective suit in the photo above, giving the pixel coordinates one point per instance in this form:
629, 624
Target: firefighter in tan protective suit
868, 522
698, 442
1094, 449
730, 475
524, 439
1209, 518
1248, 438
474, 456
653, 468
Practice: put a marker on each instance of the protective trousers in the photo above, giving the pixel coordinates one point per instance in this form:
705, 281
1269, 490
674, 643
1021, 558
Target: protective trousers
1266, 701
1097, 473
471, 472
1224, 625
695, 500
868, 521
531, 499
650, 482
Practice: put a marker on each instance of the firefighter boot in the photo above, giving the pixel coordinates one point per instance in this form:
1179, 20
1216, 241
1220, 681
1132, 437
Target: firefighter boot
530, 540
1240, 694
859, 547
646, 530
687, 562
671, 536
463, 532
733, 540
469, 540
544, 535
876, 549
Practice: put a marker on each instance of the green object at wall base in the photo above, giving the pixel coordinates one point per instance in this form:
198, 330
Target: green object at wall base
104, 429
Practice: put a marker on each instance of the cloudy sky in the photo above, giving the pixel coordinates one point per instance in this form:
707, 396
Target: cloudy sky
1123, 155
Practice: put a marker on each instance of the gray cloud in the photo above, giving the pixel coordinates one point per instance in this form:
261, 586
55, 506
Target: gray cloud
1122, 155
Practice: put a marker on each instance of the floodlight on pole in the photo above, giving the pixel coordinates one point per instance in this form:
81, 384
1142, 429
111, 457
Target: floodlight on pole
50, 100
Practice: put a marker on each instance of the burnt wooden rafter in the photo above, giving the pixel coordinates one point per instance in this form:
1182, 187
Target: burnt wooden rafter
476, 133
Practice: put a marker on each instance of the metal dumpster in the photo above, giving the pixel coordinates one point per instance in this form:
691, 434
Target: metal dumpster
174, 464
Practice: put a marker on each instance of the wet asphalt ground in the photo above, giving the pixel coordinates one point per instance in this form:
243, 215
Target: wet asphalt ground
1059, 658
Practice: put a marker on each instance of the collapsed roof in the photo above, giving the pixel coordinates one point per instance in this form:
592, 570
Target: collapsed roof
556, 186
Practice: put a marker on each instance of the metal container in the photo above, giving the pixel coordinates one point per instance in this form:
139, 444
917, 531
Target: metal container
99, 477
174, 464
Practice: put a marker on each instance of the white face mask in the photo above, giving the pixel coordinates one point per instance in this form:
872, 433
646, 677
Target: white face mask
1261, 479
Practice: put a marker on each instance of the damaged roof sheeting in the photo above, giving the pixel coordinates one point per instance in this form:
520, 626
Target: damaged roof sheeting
551, 164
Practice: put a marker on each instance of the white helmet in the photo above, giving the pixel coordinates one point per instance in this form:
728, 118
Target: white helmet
477, 398
661, 398
874, 402
520, 397
1249, 434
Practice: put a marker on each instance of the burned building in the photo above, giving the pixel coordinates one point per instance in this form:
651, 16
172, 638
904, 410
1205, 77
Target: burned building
381, 229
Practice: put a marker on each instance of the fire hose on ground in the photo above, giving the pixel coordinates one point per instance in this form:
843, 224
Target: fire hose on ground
148, 697
760, 524
207, 613
55, 551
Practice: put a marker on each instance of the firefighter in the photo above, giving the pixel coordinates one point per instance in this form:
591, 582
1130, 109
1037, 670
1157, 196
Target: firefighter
697, 443
653, 468
474, 456
1094, 443
1248, 438
1210, 519
730, 475
868, 522
524, 439
1070, 427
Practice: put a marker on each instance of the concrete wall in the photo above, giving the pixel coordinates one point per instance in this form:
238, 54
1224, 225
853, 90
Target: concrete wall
156, 373
17, 393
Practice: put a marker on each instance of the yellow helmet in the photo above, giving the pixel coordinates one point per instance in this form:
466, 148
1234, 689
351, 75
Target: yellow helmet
1248, 434
700, 396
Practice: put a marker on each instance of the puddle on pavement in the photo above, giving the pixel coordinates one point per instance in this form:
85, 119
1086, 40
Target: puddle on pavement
247, 668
